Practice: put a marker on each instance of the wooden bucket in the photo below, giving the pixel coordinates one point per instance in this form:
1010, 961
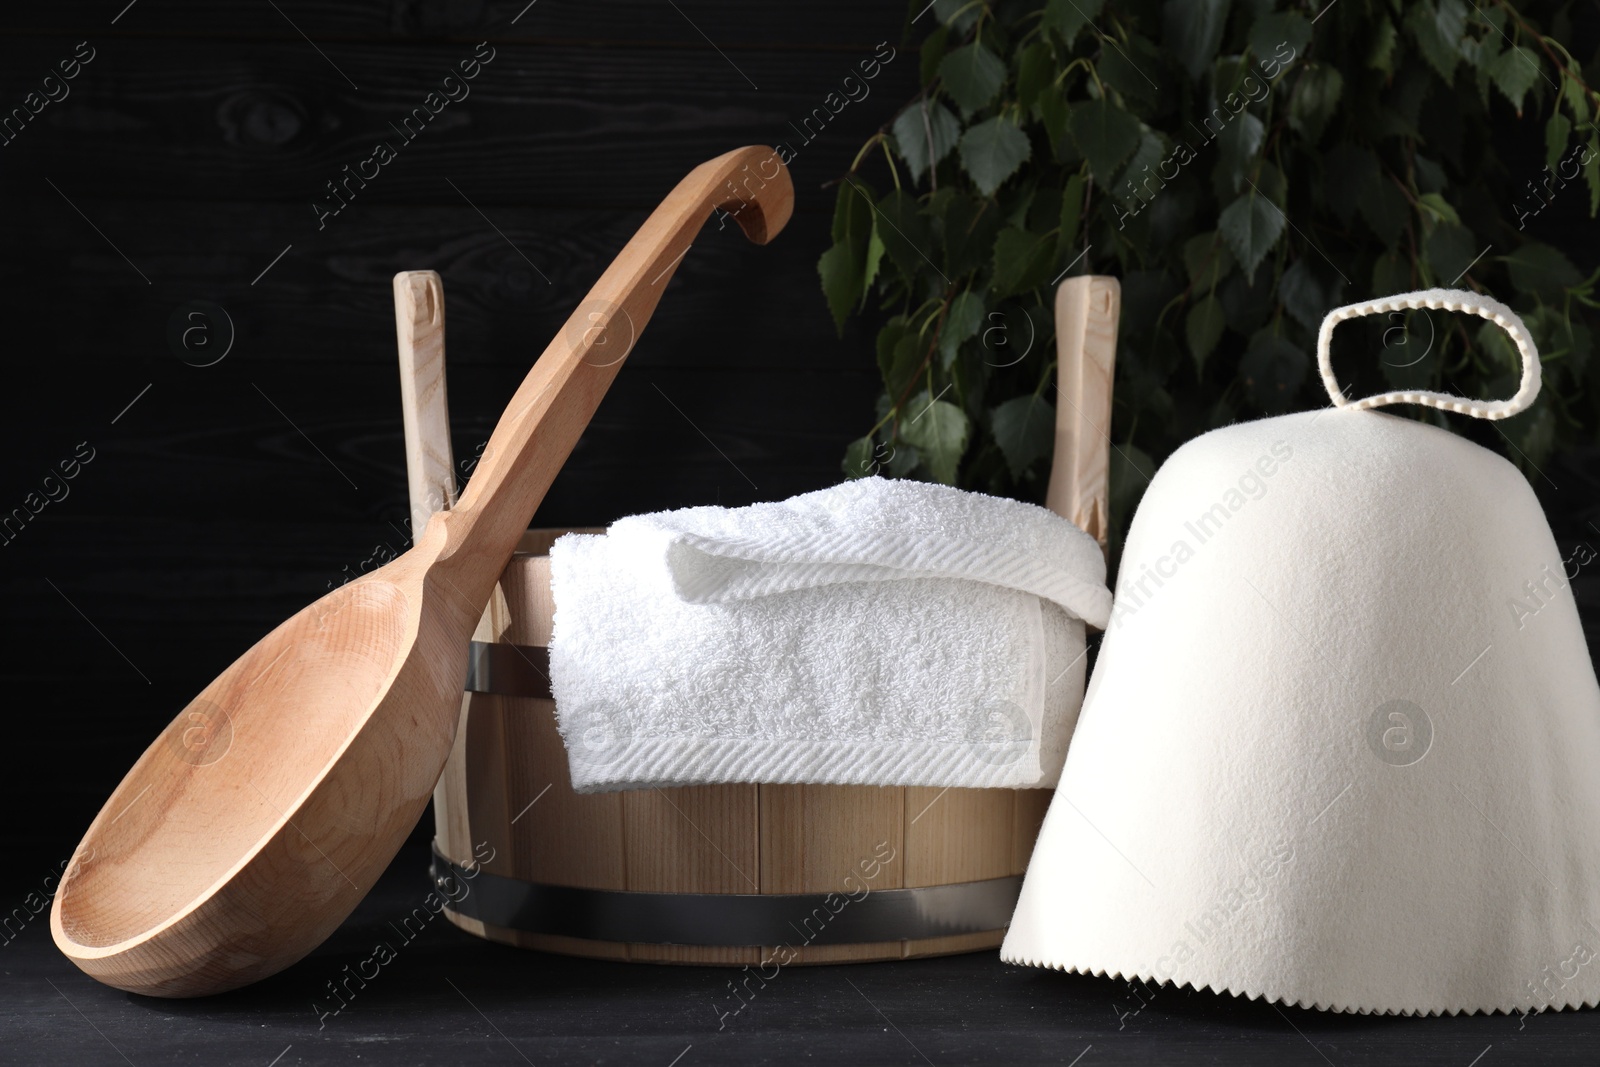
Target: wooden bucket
718, 874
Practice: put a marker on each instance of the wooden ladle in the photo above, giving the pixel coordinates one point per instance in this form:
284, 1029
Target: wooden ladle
261, 816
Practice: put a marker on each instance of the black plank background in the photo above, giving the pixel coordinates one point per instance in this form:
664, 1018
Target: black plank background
182, 167
184, 162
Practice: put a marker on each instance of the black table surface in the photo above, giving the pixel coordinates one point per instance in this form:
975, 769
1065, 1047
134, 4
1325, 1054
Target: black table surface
446, 997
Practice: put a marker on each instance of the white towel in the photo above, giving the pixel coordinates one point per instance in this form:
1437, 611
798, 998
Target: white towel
878, 529
826, 639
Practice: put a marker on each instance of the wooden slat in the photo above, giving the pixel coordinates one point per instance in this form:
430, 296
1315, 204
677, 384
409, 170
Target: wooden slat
546, 123
452, 828
725, 955
424, 403
562, 838
803, 956
238, 455
695, 839
526, 583
1031, 805
328, 300
839, 25
961, 836
1087, 310
485, 775
813, 837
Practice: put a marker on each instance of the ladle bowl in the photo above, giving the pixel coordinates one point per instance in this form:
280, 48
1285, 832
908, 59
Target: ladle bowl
264, 813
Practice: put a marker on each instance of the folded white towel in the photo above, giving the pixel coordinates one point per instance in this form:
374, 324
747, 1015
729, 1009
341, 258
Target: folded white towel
880, 529
826, 640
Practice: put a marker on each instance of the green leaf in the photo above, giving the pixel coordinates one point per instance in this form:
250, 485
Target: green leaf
961, 323
1514, 71
1270, 182
1036, 69
1451, 21
874, 259
1273, 370
958, 15
1437, 209
972, 76
842, 271
1534, 431
1556, 134
1539, 269
1316, 96
1251, 226
924, 134
1054, 112
1130, 77
966, 227
1303, 296
1385, 208
1500, 349
1403, 113
1438, 32
1247, 303
852, 214
1203, 329
900, 353
1141, 177
1431, 177
1067, 17
1129, 473
938, 430
1025, 429
1207, 260
904, 231
1105, 134
1380, 56
1347, 173
1280, 35
1410, 355
1237, 146
932, 54
1022, 261
904, 461
1591, 174
1573, 92
1478, 52
1565, 346
992, 151
1192, 31
1071, 214
1391, 273
858, 458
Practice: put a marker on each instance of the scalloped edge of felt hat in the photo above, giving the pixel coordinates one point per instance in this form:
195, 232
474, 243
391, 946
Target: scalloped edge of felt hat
1245, 992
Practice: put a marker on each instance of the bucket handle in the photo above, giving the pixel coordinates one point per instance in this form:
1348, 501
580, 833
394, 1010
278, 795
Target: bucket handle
1443, 300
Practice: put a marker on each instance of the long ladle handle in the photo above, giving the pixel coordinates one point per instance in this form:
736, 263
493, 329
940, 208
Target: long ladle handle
555, 402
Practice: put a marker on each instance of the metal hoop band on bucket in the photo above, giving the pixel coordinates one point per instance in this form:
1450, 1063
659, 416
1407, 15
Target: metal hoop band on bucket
1441, 300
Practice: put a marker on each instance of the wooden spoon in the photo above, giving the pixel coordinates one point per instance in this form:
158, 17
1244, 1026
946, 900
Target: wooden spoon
261, 816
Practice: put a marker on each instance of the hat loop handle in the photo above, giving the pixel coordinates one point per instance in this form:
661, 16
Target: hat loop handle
1446, 300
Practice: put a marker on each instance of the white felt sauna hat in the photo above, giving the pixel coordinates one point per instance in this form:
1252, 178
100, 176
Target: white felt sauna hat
1342, 745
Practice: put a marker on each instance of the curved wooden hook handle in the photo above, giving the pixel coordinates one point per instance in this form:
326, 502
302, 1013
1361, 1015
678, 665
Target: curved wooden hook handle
550, 410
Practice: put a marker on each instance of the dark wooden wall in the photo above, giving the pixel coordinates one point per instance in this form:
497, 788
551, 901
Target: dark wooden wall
187, 156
